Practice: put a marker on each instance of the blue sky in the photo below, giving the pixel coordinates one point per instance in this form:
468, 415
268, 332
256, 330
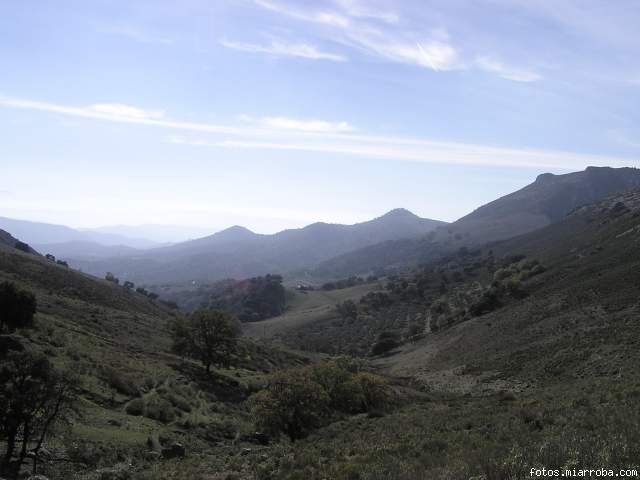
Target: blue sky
277, 113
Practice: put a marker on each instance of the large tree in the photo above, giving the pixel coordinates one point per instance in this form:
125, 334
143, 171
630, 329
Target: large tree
210, 336
33, 396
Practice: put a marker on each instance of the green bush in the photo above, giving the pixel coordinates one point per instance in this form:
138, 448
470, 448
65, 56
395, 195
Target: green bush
135, 407
159, 409
299, 400
386, 341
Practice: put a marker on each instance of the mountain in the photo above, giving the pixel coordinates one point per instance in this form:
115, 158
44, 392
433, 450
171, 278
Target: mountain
533, 358
85, 250
37, 233
547, 200
160, 234
239, 253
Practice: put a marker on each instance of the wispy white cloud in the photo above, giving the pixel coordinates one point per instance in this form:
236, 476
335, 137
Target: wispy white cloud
292, 124
323, 17
356, 8
134, 33
285, 50
408, 150
121, 110
353, 24
432, 53
493, 65
297, 136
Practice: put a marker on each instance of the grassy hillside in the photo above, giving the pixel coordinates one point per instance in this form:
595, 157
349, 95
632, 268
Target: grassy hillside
305, 309
512, 355
547, 378
118, 342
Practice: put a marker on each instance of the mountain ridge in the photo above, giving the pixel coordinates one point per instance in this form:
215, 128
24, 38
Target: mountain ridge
237, 252
544, 201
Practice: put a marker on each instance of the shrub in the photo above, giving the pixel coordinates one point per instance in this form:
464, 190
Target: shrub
158, 408
121, 382
386, 341
292, 404
135, 407
299, 400
17, 307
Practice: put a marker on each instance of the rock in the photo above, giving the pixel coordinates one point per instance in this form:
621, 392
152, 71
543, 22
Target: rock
176, 450
246, 451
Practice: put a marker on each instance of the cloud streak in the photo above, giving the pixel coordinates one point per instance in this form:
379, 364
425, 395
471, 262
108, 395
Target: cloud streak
279, 49
491, 65
278, 133
297, 125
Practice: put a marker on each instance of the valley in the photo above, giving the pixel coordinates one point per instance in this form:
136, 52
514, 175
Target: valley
488, 357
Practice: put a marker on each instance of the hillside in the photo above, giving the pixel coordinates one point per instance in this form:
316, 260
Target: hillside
545, 376
239, 253
131, 387
505, 356
545, 201
8, 240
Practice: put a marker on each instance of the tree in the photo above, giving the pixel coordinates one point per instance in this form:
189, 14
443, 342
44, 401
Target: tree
24, 247
17, 307
347, 309
210, 336
32, 398
386, 341
110, 277
181, 333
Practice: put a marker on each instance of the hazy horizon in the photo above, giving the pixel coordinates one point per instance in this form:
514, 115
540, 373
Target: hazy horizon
272, 114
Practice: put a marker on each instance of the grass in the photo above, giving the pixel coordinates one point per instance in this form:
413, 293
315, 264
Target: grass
304, 309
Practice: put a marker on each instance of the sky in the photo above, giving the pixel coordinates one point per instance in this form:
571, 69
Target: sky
275, 114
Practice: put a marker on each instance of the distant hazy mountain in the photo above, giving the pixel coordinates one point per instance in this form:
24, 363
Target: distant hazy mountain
85, 250
160, 234
238, 253
37, 233
547, 200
